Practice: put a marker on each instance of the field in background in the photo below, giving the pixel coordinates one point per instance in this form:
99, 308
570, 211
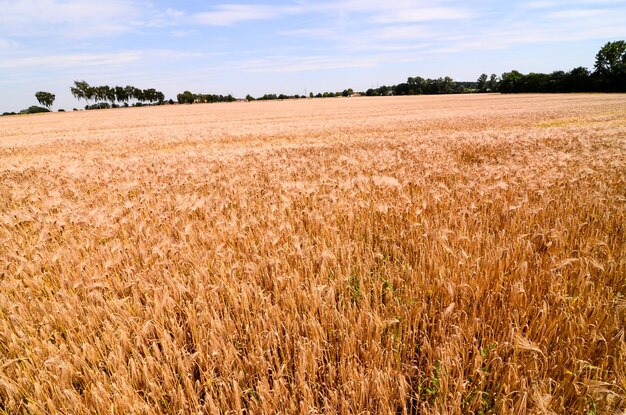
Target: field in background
461, 254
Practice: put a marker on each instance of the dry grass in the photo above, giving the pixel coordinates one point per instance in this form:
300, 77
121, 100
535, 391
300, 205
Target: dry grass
406, 255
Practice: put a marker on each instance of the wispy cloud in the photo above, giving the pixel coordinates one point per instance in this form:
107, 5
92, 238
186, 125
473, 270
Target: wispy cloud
229, 14
281, 64
422, 14
82, 60
578, 14
83, 19
393, 11
155, 18
21, 18
183, 33
71, 61
574, 25
6, 44
547, 4
411, 26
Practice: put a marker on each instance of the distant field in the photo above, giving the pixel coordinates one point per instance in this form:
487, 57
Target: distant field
451, 254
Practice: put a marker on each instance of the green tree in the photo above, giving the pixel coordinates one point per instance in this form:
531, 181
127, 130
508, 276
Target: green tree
611, 65
159, 97
186, 97
109, 94
481, 84
129, 91
578, 80
82, 90
511, 82
120, 94
138, 94
493, 83
101, 93
45, 98
445, 85
91, 93
150, 95
535, 82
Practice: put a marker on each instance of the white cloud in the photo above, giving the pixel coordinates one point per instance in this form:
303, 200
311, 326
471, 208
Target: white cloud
79, 19
313, 63
280, 64
559, 26
370, 6
548, 4
183, 33
387, 38
577, 14
229, 14
70, 60
41, 17
82, 60
396, 32
392, 11
421, 14
392, 26
166, 18
6, 44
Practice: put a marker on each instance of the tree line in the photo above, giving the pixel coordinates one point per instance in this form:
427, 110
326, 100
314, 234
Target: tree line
609, 75
270, 97
122, 95
188, 97
420, 86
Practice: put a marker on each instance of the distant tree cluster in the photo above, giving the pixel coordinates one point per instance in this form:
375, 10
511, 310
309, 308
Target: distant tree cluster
34, 110
487, 83
577, 80
420, 86
345, 93
188, 97
30, 110
122, 95
609, 75
269, 97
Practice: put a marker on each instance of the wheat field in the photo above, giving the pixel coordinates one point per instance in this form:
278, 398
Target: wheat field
393, 255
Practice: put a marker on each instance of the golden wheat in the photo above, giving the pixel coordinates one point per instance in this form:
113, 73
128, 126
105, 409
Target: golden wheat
447, 255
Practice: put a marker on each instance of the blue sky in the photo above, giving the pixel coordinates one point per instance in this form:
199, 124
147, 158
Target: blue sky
259, 47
